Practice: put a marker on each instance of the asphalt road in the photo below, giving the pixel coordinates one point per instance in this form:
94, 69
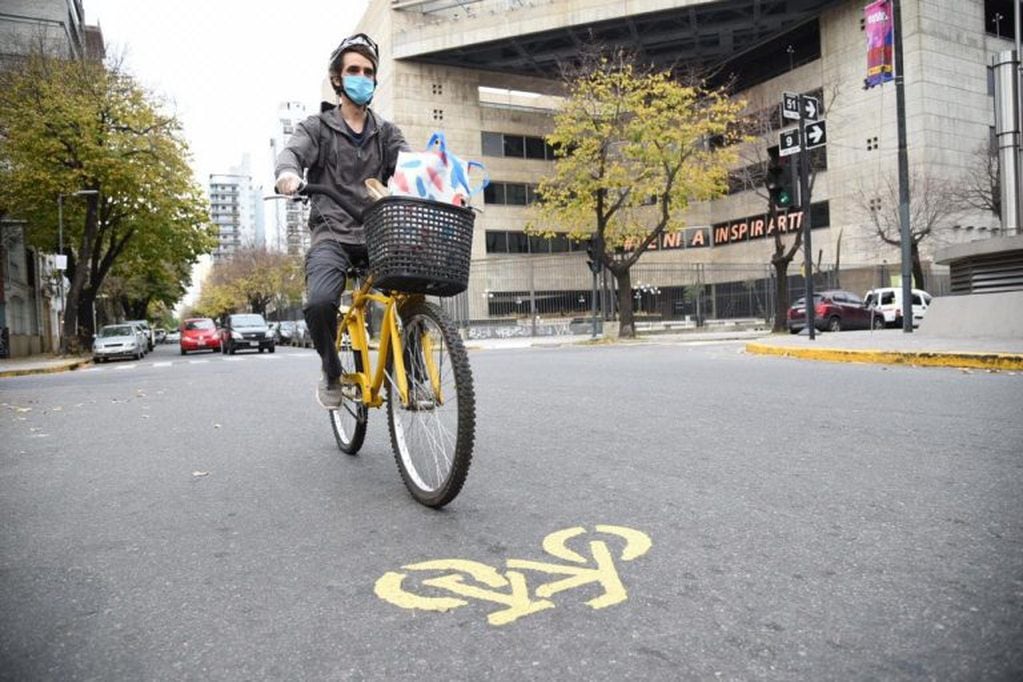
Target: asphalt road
726, 516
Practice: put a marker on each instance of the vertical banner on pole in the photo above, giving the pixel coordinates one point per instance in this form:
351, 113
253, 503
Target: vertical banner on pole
879, 42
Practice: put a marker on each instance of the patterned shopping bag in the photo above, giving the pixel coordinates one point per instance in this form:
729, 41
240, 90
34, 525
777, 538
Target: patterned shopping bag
436, 174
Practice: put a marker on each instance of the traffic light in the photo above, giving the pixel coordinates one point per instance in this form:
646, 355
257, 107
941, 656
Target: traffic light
594, 257
779, 180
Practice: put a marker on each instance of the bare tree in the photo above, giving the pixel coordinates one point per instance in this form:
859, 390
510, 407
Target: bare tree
980, 186
932, 206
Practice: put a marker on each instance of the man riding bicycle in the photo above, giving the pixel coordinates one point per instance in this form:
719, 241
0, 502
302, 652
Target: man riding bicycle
340, 147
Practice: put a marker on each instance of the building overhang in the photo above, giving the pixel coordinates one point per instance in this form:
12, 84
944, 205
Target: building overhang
540, 38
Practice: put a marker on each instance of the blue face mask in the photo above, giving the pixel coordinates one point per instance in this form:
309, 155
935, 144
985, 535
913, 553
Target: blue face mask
359, 89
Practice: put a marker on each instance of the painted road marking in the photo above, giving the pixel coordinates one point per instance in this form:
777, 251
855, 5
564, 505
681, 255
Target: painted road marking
162, 364
510, 589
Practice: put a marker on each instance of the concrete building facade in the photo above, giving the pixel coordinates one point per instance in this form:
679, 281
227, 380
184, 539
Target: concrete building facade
485, 72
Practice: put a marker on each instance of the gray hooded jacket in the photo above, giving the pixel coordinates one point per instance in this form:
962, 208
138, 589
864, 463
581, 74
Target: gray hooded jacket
323, 145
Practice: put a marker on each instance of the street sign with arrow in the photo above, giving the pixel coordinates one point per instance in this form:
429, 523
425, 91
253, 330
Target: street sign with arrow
811, 108
816, 134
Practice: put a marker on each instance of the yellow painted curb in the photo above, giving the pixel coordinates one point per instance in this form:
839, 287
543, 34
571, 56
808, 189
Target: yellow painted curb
1001, 361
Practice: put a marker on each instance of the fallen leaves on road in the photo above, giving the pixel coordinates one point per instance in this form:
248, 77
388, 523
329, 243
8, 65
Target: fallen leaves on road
199, 474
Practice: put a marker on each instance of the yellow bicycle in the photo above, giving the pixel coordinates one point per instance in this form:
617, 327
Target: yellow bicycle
421, 371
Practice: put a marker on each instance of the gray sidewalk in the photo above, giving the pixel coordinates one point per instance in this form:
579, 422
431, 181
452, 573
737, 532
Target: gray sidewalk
40, 364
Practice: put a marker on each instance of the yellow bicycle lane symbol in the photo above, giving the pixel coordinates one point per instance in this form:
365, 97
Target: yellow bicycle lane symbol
510, 589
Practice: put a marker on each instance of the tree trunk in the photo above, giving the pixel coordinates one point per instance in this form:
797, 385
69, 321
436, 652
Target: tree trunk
86, 328
918, 268
781, 294
69, 342
626, 321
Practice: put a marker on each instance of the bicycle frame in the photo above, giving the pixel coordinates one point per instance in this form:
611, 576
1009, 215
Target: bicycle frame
370, 383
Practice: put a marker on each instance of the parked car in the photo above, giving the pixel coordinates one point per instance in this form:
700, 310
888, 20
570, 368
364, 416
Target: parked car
199, 333
161, 335
285, 331
301, 337
148, 330
173, 336
246, 330
142, 335
888, 300
117, 341
835, 310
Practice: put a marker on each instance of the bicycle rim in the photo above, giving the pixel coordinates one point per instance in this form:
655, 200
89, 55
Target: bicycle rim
349, 421
433, 435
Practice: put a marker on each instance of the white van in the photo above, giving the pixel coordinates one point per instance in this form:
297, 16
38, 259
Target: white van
888, 300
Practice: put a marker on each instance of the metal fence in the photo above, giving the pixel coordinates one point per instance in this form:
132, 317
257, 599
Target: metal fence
541, 296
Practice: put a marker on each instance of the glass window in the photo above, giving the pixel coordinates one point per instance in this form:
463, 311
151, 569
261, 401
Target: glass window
887, 297
559, 244
515, 194
518, 242
535, 148
539, 245
549, 150
917, 300
493, 144
531, 194
494, 193
497, 242
514, 146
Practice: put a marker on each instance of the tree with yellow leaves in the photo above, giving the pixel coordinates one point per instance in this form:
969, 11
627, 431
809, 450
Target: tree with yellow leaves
632, 151
71, 127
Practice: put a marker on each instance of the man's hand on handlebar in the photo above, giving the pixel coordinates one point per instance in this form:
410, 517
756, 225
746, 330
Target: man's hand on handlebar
289, 183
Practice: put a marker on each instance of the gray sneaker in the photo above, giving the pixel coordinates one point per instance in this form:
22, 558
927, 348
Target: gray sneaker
329, 395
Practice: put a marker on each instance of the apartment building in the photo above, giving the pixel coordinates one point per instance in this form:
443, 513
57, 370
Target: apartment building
236, 208
286, 230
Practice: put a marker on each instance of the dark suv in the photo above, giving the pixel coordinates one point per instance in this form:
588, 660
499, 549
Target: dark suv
834, 311
245, 330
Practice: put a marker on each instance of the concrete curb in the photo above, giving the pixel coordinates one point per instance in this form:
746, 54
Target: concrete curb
999, 361
48, 369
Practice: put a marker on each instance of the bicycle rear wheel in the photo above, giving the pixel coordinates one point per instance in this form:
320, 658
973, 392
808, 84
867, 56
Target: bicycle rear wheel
433, 435
348, 421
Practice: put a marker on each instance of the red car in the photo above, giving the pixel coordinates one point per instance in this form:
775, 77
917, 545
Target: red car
199, 333
835, 310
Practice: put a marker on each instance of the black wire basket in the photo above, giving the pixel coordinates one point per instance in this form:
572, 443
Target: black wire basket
418, 246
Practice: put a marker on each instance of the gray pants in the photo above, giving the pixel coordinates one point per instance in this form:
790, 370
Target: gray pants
325, 266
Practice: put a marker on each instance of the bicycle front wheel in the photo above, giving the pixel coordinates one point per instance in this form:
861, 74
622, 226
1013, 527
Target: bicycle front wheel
348, 421
433, 434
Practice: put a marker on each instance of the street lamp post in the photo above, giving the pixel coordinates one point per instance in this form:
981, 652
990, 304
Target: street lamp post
62, 264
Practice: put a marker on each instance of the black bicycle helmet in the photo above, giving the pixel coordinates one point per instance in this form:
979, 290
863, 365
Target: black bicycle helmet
361, 43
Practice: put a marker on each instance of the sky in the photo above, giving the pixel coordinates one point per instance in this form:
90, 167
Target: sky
224, 65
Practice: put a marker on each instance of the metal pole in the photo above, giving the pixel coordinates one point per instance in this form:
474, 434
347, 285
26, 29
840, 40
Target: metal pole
1018, 120
1008, 137
60, 281
593, 305
904, 227
804, 201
